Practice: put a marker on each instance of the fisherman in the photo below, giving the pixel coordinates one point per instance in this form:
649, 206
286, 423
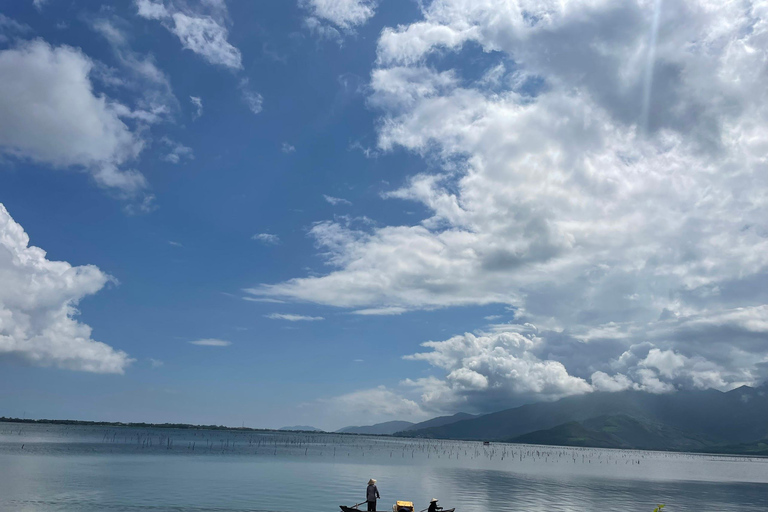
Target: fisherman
433, 506
371, 495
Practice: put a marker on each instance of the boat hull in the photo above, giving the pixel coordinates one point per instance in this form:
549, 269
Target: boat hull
352, 509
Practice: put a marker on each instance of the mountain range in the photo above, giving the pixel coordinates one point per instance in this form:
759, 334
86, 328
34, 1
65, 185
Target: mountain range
391, 427
703, 420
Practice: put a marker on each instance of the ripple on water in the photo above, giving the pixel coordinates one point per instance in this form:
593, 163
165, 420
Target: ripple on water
83, 469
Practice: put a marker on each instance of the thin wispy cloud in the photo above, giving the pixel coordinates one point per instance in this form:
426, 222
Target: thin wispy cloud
293, 318
266, 238
211, 342
198, 104
264, 299
251, 98
385, 311
336, 200
176, 151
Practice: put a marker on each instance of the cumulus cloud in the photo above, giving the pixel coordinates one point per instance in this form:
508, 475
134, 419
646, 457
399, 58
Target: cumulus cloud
38, 306
492, 371
201, 29
613, 199
211, 342
342, 14
50, 114
293, 318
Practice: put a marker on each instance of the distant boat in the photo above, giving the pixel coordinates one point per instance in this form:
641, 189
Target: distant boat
486, 443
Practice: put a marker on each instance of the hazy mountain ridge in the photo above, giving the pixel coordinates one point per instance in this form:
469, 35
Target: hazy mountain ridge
685, 420
618, 431
302, 428
396, 427
441, 420
386, 429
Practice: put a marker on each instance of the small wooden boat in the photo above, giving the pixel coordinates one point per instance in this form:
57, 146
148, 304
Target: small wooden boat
355, 509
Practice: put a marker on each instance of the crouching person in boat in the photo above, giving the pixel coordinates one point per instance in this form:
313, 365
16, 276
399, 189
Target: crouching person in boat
371, 495
433, 506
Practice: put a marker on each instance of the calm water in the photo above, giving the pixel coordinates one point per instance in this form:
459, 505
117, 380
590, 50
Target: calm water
78, 469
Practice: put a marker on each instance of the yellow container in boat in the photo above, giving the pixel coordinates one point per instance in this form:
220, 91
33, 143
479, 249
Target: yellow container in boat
407, 505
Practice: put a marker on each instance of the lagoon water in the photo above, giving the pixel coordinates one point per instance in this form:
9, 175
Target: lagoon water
89, 469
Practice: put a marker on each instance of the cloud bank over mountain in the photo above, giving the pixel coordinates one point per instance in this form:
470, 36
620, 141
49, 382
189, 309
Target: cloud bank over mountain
601, 176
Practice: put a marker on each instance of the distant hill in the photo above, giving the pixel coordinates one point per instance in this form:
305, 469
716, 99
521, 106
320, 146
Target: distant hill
396, 427
386, 429
685, 420
302, 428
618, 431
440, 421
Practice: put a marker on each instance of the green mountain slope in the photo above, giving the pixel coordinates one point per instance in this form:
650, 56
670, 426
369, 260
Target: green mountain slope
386, 429
441, 421
688, 420
618, 431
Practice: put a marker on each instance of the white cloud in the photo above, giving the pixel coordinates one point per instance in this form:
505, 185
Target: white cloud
253, 99
601, 381
491, 371
207, 38
385, 311
211, 342
374, 405
11, 26
198, 104
614, 234
202, 31
293, 318
287, 148
50, 114
344, 14
39, 4
38, 306
263, 299
155, 363
140, 74
266, 238
152, 10
176, 151
336, 200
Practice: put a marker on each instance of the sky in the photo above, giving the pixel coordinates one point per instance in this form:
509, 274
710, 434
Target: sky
339, 212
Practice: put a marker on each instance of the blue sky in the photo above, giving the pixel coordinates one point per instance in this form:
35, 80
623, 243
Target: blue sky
556, 197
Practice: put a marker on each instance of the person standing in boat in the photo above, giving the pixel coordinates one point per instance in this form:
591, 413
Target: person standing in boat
371, 495
433, 506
